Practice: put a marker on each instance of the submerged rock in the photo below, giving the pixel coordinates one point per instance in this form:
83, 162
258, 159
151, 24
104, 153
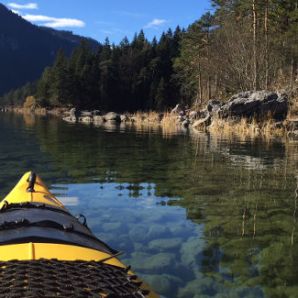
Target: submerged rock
138, 233
165, 244
158, 232
159, 263
164, 284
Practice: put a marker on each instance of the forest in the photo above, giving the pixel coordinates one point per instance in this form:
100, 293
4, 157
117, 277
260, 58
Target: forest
240, 45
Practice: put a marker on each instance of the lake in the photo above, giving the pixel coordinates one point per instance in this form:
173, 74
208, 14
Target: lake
195, 215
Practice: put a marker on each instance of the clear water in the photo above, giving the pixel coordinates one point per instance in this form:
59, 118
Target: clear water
196, 216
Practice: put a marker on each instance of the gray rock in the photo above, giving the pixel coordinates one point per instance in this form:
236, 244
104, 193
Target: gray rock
164, 284
138, 233
98, 119
112, 117
159, 263
70, 119
86, 114
181, 118
124, 118
260, 104
73, 112
214, 105
96, 113
112, 227
158, 232
86, 119
186, 123
191, 252
193, 115
198, 288
165, 244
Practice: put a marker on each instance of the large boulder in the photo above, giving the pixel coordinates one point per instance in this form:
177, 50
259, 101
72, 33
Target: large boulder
213, 106
86, 114
260, 104
112, 117
98, 119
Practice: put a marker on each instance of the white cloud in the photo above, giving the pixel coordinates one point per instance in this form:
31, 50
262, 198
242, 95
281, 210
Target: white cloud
155, 23
16, 11
54, 22
22, 6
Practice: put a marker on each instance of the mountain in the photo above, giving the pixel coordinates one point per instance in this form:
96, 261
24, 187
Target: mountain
26, 49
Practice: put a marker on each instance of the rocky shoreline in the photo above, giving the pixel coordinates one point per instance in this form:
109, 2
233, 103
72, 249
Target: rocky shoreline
254, 113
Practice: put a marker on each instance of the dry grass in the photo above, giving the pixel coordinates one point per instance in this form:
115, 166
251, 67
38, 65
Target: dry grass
153, 121
245, 128
145, 118
294, 108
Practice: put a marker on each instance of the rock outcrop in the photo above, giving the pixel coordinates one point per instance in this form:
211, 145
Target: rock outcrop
259, 104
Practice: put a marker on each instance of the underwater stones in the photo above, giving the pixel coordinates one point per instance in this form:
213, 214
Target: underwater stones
138, 233
164, 284
124, 244
165, 244
191, 250
158, 231
198, 288
113, 226
159, 263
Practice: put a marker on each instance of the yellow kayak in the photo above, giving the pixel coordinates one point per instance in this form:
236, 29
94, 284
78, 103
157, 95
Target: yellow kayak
46, 252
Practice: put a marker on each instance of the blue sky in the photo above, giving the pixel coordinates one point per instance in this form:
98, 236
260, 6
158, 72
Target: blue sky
111, 18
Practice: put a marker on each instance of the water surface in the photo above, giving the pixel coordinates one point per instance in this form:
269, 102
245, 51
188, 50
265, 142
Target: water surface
196, 216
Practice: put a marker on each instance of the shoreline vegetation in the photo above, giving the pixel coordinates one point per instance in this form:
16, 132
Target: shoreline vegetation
260, 114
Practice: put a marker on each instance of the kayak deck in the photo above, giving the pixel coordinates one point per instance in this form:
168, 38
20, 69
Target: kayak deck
53, 278
46, 252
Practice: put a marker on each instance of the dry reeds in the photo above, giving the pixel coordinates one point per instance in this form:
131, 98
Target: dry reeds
247, 128
167, 122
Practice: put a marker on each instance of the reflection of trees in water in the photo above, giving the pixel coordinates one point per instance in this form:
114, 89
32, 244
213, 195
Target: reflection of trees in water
241, 191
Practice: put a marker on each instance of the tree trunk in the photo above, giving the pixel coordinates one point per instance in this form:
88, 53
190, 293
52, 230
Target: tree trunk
208, 62
266, 44
200, 83
199, 96
255, 39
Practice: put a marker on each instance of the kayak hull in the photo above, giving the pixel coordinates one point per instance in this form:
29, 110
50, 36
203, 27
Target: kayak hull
36, 227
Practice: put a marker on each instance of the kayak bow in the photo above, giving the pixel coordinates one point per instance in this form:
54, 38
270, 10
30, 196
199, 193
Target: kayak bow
46, 252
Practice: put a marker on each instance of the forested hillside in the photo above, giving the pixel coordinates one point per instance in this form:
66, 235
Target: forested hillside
25, 49
242, 45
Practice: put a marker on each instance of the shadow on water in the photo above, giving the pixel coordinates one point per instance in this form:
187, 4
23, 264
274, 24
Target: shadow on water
195, 215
